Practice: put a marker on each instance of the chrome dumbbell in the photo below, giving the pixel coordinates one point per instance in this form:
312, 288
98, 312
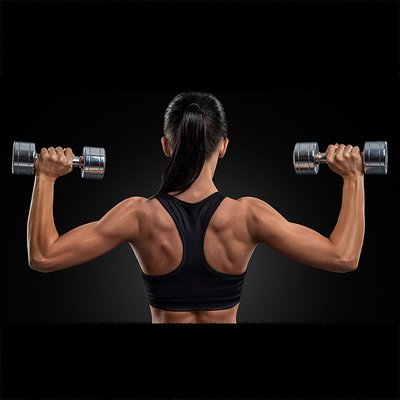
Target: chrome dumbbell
92, 162
307, 158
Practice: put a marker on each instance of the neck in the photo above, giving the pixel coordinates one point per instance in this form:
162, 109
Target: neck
203, 185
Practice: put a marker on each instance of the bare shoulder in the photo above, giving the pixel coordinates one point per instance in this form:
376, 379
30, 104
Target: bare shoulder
143, 209
135, 204
138, 202
250, 201
126, 210
127, 218
240, 212
147, 210
254, 206
260, 215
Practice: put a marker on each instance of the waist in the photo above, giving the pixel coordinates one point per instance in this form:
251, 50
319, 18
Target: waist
193, 304
225, 316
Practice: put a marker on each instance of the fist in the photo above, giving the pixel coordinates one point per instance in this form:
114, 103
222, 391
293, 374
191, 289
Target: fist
54, 162
345, 160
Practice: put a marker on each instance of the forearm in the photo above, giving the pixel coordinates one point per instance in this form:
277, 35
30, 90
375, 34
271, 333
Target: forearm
41, 231
348, 234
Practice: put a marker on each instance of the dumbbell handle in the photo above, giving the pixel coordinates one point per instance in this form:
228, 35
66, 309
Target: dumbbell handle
77, 161
320, 158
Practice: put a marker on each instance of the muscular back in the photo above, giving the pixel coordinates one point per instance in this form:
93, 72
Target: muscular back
159, 250
227, 244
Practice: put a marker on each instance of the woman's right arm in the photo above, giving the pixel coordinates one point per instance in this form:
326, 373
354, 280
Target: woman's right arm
47, 250
340, 252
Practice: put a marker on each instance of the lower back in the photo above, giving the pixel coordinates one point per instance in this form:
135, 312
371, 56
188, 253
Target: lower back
227, 316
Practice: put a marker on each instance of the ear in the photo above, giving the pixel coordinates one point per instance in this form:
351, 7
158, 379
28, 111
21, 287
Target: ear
222, 149
165, 146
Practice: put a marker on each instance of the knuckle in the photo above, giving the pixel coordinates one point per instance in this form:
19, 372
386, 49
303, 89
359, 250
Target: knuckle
330, 150
330, 158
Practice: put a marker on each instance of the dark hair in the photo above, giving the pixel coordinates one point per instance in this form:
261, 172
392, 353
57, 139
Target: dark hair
194, 124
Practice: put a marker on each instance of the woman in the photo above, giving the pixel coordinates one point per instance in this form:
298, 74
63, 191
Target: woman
193, 244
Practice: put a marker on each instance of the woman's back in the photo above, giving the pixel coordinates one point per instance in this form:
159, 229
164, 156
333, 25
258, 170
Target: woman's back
227, 249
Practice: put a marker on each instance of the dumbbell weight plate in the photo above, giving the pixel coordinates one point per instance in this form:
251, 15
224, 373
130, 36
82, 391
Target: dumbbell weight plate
375, 156
93, 162
304, 154
23, 158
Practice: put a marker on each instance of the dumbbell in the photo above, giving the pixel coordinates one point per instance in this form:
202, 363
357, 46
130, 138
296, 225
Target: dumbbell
92, 162
307, 158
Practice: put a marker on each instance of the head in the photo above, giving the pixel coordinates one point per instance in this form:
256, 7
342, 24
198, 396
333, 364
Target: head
195, 132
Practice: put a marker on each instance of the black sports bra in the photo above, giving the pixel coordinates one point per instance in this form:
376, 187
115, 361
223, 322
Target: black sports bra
194, 285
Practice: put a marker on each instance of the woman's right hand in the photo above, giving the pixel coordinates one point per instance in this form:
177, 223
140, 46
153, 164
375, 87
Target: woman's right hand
346, 161
54, 162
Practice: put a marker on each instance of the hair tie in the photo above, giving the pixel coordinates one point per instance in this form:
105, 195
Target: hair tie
194, 104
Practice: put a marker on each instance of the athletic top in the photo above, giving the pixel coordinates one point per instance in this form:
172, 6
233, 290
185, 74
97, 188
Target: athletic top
194, 285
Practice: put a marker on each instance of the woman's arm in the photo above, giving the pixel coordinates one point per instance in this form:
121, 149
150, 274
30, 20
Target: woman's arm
338, 253
47, 251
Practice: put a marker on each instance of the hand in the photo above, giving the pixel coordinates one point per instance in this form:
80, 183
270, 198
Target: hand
345, 160
54, 162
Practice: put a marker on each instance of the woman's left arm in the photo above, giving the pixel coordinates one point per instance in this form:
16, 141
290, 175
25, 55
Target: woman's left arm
47, 250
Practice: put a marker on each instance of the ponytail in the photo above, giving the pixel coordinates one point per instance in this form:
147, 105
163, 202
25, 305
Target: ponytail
188, 156
194, 124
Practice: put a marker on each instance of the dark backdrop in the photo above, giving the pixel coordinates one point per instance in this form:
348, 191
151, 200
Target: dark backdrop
263, 128
95, 73
76, 74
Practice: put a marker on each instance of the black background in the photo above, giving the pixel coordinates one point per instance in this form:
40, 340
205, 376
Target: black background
102, 74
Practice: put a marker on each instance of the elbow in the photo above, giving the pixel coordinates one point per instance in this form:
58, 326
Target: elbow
344, 260
40, 264
348, 264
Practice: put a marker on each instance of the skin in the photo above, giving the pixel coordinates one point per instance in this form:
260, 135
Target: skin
235, 229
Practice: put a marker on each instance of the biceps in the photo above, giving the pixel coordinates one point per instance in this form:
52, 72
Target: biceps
80, 245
